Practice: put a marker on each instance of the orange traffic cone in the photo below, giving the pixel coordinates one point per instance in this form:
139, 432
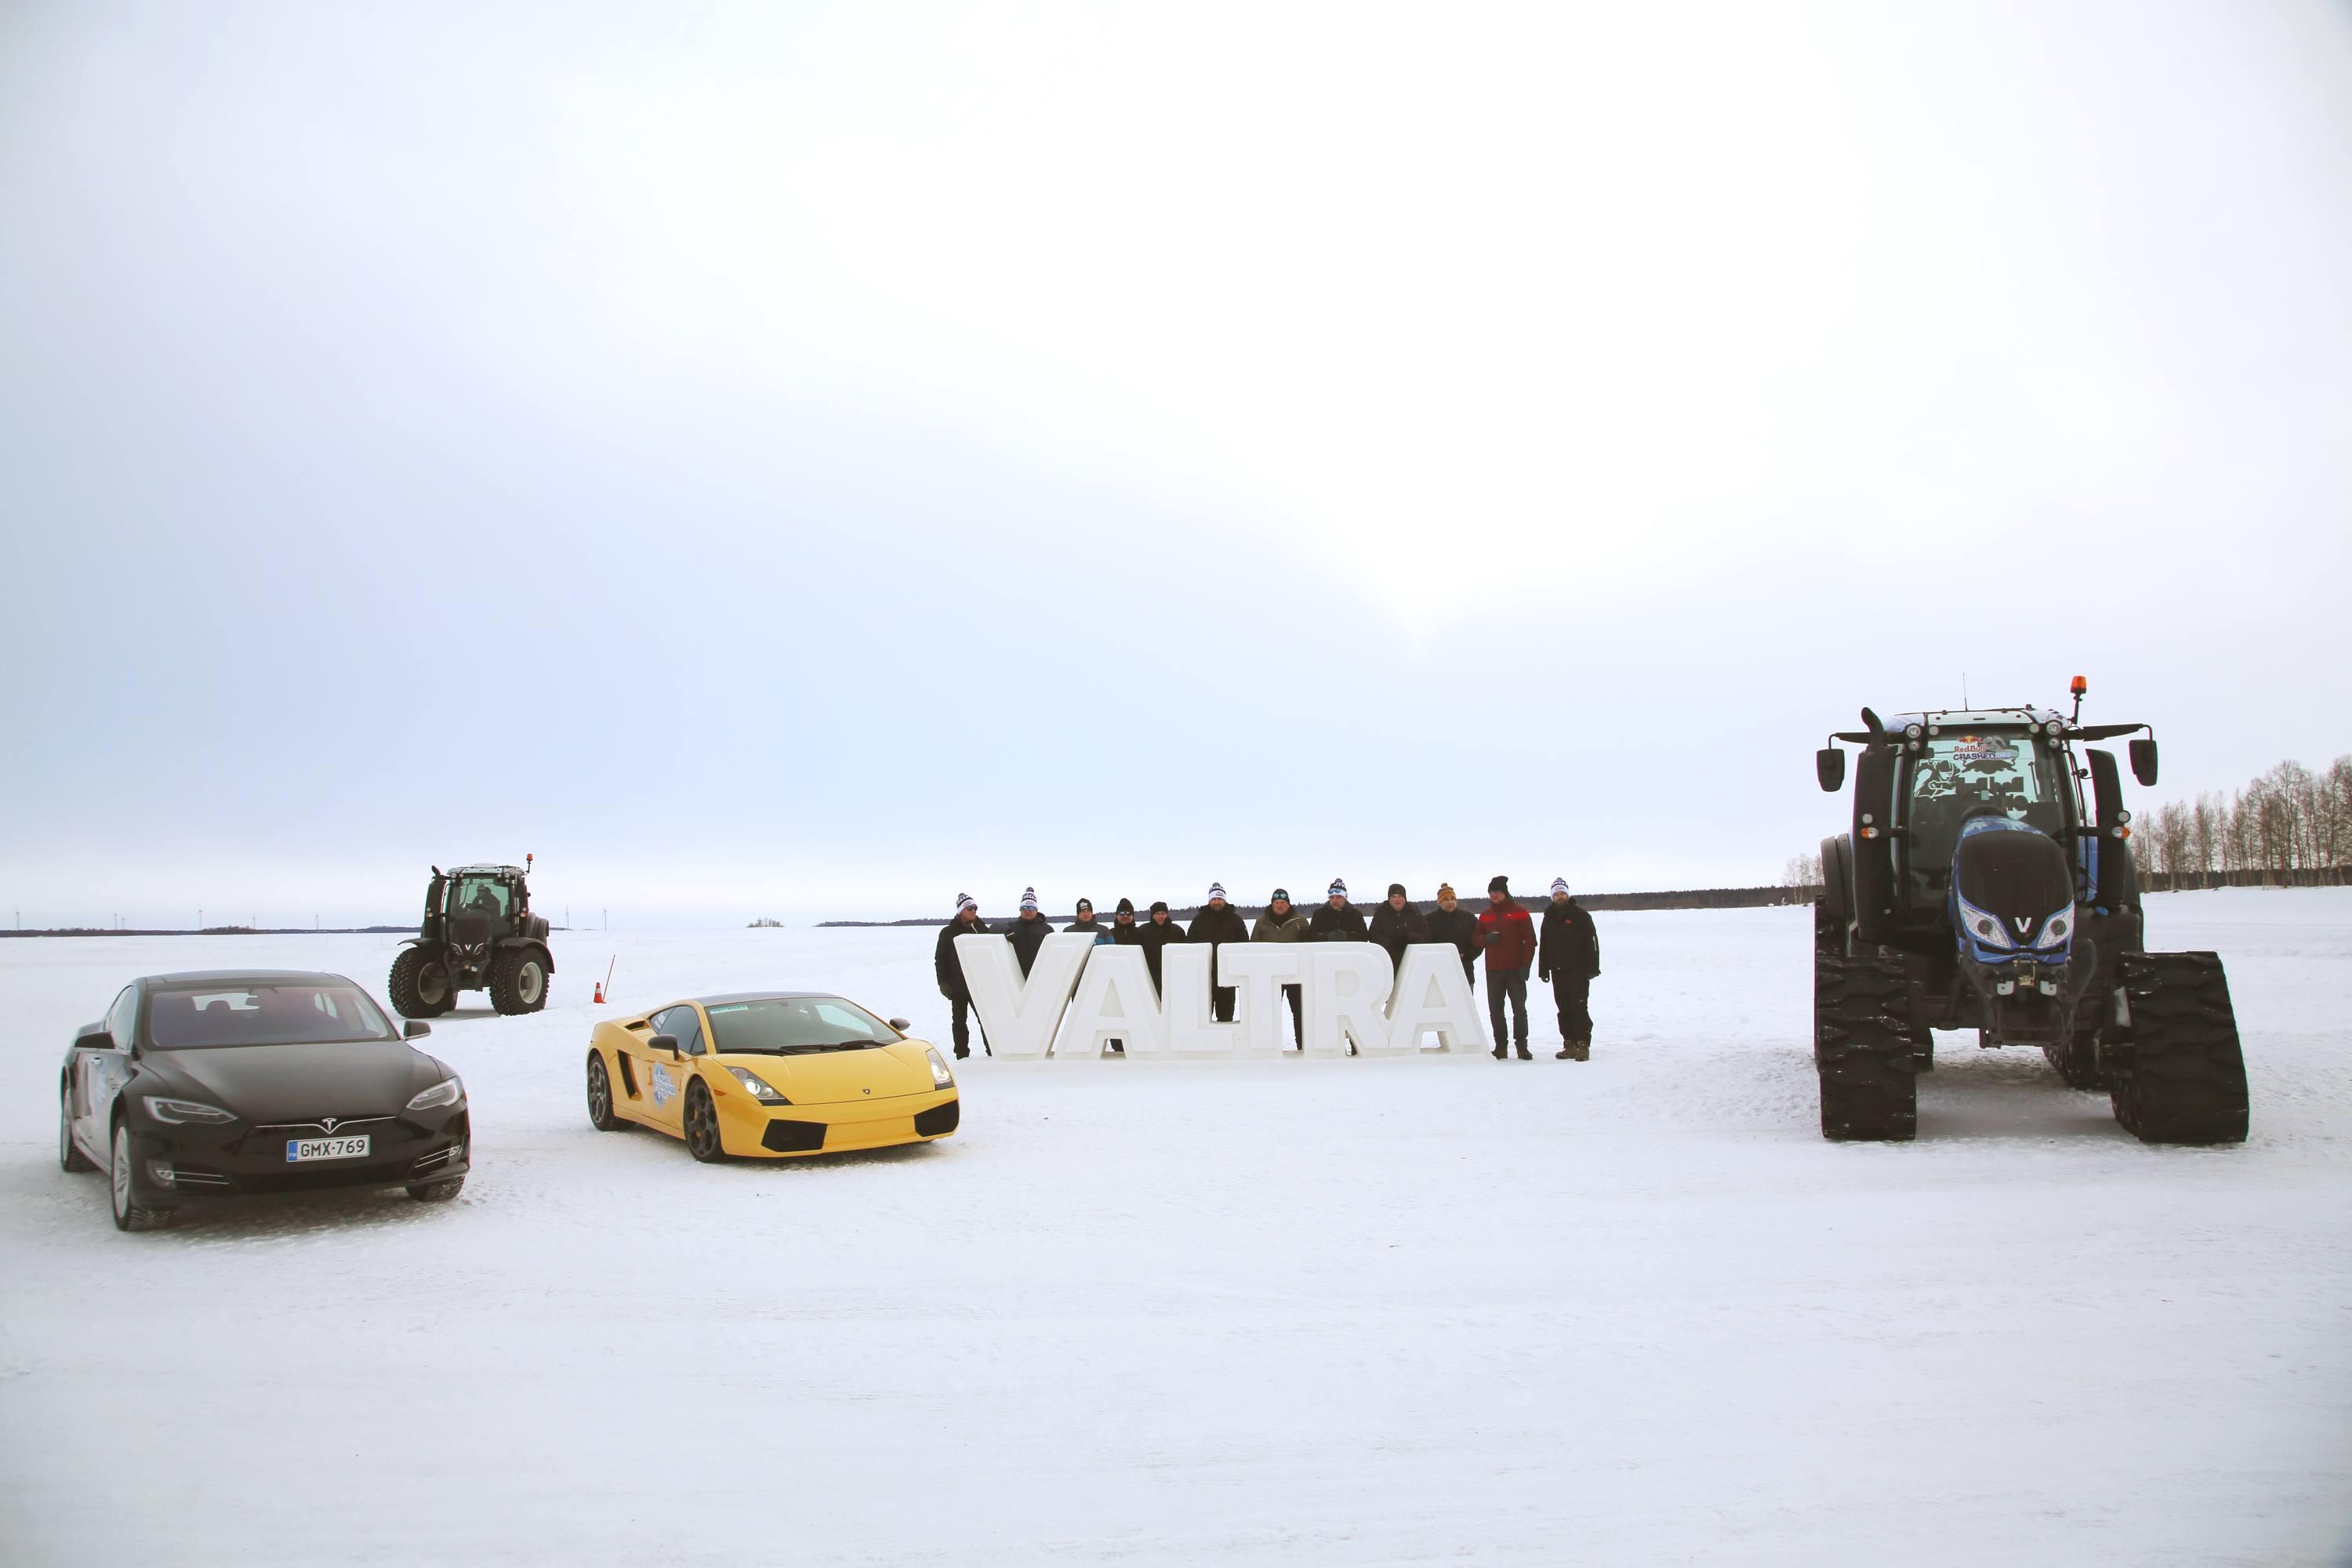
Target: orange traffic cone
600, 994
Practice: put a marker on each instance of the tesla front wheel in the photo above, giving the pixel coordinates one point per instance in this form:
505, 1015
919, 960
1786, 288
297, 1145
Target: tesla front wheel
129, 1213
439, 1191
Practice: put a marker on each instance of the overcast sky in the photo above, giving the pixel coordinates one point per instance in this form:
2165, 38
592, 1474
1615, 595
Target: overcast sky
804, 460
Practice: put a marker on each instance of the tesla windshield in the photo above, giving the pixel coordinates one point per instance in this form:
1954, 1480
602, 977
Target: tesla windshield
285, 1013
782, 1024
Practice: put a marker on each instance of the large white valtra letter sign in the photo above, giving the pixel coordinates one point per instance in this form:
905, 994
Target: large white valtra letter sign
1078, 997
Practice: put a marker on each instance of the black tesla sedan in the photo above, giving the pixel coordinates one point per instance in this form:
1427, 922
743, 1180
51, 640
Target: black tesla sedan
235, 1081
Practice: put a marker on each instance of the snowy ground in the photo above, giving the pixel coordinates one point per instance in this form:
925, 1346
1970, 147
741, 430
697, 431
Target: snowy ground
1633, 1311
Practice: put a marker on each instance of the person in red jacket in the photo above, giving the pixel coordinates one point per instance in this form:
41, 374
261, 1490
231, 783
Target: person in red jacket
1509, 938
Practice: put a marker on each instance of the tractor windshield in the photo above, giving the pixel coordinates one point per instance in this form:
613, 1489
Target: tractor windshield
1986, 773
487, 895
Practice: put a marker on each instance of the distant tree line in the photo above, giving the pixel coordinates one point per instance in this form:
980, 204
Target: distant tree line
2292, 828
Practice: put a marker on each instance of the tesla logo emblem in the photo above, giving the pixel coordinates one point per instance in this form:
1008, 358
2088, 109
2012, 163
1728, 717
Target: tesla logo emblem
327, 1123
2024, 923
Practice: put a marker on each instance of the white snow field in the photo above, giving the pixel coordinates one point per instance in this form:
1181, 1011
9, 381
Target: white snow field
1633, 1311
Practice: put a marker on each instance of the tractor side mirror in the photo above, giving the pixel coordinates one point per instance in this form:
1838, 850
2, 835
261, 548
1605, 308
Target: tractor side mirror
1829, 766
2143, 759
414, 1030
666, 1043
901, 1024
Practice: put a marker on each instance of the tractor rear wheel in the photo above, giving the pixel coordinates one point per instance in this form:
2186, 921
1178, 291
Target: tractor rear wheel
420, 985
2077, 1059
1863, 1046
2178, 1075
519, 981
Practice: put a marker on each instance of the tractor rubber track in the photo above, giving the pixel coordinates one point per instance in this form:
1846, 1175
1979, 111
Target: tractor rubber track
1863, 1046
2178, 1074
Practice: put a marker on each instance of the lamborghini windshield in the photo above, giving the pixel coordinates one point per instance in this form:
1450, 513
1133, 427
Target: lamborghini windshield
1985, 772
783, 1024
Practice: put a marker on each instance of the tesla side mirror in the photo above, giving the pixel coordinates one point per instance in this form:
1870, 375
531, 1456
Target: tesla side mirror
414, 1030
1828, 767
901, 1024
666, 1043
94, 1038
2143, 756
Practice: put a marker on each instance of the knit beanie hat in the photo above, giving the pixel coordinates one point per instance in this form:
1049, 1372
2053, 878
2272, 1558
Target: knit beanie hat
1216, 889
1338, 889
1085, 906
1281, 896
1028, 898
1396, 889
1559, 884
966, 901
1126, 907
1499, 885
1158, 906
1445, 890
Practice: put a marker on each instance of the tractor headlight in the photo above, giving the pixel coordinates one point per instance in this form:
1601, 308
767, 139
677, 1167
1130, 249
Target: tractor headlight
941, 1077
448, 1092
757, 1086
178, 1111
2055, 930
1984, 928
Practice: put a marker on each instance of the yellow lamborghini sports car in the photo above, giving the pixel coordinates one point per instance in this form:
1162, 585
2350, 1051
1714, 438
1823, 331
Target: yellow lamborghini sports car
767, 1074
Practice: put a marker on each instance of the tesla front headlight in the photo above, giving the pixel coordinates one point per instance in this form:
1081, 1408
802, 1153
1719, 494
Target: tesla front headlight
941, 1077
1984, 927
448, 1092
2055, 929
757, 1086
178, 1111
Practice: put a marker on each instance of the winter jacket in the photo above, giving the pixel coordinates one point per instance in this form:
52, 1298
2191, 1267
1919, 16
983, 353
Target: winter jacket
1393, 929
1127, 935
1027, 936
1101, 934
1570, 945
948, 962
1459, 927
1345, 923
1219, 926
1272, 927
1153, 937
1509, 935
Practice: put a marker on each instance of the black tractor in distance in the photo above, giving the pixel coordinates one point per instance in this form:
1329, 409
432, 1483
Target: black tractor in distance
1982, 888
479, 932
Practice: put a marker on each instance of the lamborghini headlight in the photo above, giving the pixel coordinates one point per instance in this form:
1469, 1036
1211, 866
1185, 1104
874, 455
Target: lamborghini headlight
757, 1086
448, 1092
2055, 929
1983, 927
941, 1077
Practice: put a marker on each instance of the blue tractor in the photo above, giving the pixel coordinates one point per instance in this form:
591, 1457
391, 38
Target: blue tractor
1984, 887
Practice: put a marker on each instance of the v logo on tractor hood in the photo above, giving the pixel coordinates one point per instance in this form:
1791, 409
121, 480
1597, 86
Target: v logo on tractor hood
2024, 922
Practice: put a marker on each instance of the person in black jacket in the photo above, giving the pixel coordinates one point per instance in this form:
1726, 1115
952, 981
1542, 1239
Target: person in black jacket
1085, 924
1338, 919
949, 968
1396, 924
1155, 934
1029, 932
1124, 931
1219, 922
1451, 922
1568, 955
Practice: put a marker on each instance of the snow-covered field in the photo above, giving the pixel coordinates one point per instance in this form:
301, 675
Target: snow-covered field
1633, 1311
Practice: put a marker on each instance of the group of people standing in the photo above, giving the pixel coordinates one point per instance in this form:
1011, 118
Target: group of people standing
1565, 953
